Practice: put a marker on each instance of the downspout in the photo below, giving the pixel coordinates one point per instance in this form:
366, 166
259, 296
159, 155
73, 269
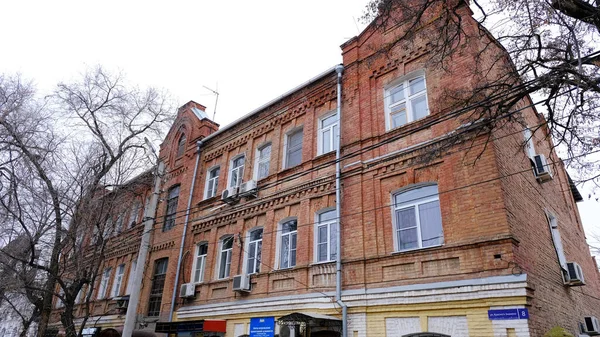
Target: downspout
338, 204
185, 225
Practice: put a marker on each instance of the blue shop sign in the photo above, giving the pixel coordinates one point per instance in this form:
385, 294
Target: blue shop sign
500, 314
262, 327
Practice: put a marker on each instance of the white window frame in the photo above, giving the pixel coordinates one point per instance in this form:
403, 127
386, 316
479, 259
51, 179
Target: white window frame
118, 280
214, 181
256, 248
239, 171
333, 136
405, 81
414, 204
131, 276
134, 213
259, 161
279, 244
557, 242
229, 253
103, 285
330, 233
286, 139
529, 144
199, 263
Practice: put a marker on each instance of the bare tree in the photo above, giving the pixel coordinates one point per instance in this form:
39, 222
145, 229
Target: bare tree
62, 159
546, 49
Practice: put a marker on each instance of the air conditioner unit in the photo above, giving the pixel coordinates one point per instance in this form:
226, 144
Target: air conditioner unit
229, 194
592, 327
241, 283
249, 187
542, 169
187, 290
574, 274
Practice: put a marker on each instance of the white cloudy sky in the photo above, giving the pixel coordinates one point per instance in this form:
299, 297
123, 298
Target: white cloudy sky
252, 50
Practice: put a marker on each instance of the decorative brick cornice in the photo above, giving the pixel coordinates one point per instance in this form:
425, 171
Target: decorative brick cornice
313, 188
393, 64
281, 117
166, 245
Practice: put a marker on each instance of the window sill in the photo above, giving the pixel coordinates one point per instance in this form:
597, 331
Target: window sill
321, 263
399, 252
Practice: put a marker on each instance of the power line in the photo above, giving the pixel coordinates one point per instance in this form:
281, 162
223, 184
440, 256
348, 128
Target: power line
455, 135
385, 206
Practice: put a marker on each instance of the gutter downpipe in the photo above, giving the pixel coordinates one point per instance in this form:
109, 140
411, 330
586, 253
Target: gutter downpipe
338, 204
185, 225
149, 219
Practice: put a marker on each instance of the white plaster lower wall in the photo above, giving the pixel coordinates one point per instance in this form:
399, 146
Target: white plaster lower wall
500, 327
455, 326
358, 323
400, 326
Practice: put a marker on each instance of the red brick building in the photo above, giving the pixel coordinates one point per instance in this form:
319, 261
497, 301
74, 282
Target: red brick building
452, 243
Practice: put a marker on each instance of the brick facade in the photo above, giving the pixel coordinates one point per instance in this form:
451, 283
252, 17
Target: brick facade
496, 250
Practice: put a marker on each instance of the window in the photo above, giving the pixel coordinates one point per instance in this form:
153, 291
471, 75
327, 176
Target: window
103, 283
528, 137
236, 173
212, 182
199, 263
59, 301
134, 213
263, 159
556, 240
181, 146
254, 251
171, 211
119, 224
131, 276
293, 152
326, 236
328, 136
226, 246
116, 289
417, 217
406, 101
289, 231
158, 285
80, 295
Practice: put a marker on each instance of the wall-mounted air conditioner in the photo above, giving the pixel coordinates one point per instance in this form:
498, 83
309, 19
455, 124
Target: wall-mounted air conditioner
248, 188
592, 327
542, 169
574, 274
241, 283
229, 194
187, 290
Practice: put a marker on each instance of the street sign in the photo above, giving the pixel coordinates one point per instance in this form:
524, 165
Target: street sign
502, 314
262, 327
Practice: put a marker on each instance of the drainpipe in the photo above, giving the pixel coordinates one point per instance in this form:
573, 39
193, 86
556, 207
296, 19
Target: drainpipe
185, 225
338, 204
149, 215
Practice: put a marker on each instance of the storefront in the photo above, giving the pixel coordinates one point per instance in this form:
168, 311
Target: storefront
199, 328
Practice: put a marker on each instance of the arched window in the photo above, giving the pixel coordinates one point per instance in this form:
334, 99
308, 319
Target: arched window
181, 145
287, 252
326, 236
417, 218
254, 251
225, 250
199, 262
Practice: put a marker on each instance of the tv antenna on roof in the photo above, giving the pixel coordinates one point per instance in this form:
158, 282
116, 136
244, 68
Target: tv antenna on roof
216, 99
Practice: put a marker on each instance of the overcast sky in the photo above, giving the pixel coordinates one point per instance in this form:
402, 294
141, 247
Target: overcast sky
251, 51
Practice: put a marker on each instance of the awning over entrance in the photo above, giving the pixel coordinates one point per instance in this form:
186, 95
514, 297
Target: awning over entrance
310, 319
191, 326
